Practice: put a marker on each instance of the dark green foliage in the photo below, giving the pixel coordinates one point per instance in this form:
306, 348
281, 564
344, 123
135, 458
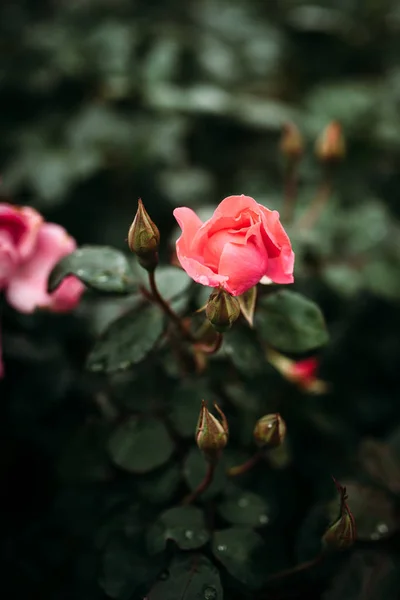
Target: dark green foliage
106, 101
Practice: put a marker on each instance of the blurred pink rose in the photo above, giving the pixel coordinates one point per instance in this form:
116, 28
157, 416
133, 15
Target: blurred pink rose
29, 249
241, 243
304, 372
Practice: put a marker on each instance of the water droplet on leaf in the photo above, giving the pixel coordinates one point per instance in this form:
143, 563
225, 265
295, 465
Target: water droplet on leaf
210, 593
189, 534
222, 548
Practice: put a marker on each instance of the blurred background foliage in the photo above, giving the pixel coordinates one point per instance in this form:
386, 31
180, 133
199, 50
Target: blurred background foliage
182, 103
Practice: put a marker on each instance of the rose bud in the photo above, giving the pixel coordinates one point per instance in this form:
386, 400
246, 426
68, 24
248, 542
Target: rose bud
211, 434
291, 143
330, 147
222, 310
270, 431
144, 239
342, 533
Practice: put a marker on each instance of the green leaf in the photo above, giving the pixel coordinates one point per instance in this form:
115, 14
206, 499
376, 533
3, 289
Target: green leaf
171, 281
379, 567
185, 525
243, 554
243, 348
186, 404
140, 445
127, 340
101, 268
195, 469
290, 322
125, 567
85, 458
245, 508
188, 578
159, 488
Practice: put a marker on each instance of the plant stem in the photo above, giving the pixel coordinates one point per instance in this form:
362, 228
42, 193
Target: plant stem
203, 486
163, 304
297, 569
290, 192
246, 466
314, 211
210, 349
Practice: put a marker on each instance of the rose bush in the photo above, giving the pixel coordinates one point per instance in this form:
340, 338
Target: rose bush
239, 245
29, 249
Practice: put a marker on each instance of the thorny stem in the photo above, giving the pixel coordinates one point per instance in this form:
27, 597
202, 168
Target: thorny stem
290, 192
171, 314
246, 466
203, 486
210, 349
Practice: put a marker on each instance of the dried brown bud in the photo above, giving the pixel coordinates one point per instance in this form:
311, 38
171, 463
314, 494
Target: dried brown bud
330, 147
144, 238
211, 434
291, 143
222, 310
270, 431
342, 533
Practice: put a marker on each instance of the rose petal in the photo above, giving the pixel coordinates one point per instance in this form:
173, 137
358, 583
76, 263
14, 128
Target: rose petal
200, 273
8, 257
1, 360
190, 223
244, 266
23, 224
28, 286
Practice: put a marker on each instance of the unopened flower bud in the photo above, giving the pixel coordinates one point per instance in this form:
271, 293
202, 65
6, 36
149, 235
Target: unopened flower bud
144, 238
211, 434
222, 310
330, 147
270, 431
342, 533
291, 143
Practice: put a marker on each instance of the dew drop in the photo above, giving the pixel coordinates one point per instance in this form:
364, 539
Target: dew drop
80, 273
263, 519
210, 593
189, 534
382, 528
221, 548
102, 278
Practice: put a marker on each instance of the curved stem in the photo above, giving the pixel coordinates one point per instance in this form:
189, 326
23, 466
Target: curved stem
203, 486
290, 193
163, 304
297, 569
316, 207
210, 349
246, 466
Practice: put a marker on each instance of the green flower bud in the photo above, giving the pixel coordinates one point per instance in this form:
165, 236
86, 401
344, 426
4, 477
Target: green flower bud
270, 431
291, 143
144, 238
342, 533
222, 310
211, 434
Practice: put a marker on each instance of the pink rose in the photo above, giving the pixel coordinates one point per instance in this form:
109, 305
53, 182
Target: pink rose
29, 249
241, 243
